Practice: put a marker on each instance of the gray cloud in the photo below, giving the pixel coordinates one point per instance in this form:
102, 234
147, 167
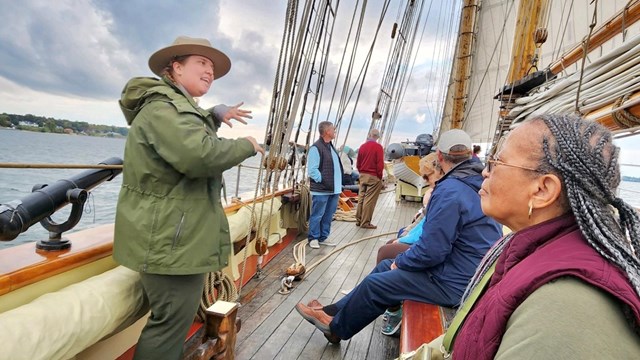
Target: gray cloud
89, 49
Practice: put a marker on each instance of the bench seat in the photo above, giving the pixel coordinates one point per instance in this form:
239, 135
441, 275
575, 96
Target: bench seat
421, 323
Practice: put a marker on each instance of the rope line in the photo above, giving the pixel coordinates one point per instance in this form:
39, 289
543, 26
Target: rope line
299, 250
57, 166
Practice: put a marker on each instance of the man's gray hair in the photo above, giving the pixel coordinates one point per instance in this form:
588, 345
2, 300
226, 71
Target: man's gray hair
323, 126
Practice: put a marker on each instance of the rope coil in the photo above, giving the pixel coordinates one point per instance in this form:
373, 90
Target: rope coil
220, 284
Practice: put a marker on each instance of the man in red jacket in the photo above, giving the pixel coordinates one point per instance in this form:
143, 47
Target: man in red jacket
370, 163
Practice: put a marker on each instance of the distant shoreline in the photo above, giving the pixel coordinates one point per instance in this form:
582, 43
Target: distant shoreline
35, 123
98, 134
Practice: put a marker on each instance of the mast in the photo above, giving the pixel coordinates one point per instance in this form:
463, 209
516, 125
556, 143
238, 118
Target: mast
527, 40
523, 53
462, 64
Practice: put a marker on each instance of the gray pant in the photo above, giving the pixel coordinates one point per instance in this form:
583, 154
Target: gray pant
174, 301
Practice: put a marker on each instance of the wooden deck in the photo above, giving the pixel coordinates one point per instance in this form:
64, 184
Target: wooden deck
271, 327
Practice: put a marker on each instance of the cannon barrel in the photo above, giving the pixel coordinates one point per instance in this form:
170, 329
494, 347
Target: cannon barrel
18, 215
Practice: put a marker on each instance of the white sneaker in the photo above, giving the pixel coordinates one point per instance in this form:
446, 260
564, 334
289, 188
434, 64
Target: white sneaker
314, 244
328, 243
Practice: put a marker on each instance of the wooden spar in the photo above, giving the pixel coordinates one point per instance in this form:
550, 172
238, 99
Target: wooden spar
604, 115
524, 46
462, 65
614, 26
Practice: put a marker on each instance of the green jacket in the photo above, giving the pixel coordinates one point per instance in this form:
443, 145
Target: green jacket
169, 218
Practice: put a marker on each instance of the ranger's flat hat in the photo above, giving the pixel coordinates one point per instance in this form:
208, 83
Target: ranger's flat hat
184, 45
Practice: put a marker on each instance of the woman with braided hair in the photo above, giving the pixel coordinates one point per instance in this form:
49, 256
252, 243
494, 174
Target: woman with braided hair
565, 283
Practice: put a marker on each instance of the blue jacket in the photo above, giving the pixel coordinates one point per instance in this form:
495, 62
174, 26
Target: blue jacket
414, 234
455, 234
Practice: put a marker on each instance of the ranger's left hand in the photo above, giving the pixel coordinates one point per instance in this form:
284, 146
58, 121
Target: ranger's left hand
235, 112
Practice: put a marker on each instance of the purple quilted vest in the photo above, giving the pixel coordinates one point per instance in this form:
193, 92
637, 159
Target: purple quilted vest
533, 257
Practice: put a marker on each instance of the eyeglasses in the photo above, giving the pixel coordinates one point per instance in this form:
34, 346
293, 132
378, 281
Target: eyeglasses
493, 162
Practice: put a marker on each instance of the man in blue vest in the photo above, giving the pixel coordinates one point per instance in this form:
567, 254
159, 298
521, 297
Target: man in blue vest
325, 176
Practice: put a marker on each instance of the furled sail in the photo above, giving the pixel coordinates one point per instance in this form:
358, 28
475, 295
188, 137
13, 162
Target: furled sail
495, 52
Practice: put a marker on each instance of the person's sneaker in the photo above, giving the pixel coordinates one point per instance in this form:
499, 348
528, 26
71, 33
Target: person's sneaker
328, 243
314, 244
392, 321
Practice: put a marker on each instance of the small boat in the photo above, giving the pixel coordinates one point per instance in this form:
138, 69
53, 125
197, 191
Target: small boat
405, 158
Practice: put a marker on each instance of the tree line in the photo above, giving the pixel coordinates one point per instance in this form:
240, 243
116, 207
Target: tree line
50, 125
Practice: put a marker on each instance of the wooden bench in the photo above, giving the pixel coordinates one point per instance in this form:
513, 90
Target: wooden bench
422, 323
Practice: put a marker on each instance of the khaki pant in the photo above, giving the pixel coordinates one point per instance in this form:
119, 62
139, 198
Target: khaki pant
368, 193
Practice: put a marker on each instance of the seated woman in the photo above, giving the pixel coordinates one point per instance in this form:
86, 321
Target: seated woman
567, 280
350, 176
431, 172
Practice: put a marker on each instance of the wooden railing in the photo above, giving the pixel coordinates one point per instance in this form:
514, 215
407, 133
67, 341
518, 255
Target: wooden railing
23, 265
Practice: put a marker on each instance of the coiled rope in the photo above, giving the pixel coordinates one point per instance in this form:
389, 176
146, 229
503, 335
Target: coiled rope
623, 117
342, 215
216, 283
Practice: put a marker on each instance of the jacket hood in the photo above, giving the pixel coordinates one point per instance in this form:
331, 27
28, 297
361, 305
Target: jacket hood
468, 172
137, 91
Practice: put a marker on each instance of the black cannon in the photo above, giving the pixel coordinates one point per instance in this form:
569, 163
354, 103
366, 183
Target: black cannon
18, 215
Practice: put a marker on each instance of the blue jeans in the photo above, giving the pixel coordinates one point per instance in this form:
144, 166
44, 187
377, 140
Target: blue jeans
322, 209
384, 288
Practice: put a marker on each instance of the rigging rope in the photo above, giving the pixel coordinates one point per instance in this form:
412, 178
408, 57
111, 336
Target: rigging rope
58, 166
585, 51
558, 49
493, 53
361, 76
394, 79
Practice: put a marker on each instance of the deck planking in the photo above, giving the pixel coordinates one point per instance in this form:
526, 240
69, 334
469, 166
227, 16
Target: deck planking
271, 327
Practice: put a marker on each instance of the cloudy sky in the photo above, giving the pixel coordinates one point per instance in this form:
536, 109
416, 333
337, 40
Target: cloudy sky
69, 59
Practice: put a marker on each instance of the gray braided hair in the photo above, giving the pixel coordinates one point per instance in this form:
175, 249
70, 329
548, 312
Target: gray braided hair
583, 155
